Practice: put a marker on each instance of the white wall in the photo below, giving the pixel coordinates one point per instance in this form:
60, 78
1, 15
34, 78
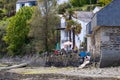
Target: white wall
61, 1
82, 34
62, 33
27, 4
78, 38
18, 6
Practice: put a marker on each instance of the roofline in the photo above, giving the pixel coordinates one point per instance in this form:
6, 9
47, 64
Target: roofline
88, 23
84, 11
102, 9
25, 1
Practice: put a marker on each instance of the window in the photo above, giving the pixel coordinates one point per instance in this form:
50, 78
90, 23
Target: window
33, 3
23, 5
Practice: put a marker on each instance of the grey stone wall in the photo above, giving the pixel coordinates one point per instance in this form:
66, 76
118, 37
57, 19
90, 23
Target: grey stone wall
110, 46
97, 44
106, 46
95, 40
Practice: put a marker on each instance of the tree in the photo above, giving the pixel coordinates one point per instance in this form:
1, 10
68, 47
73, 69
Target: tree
43, 25
3, 46
62, 8
17, 30
69, 21
72, 26
79, 3
9, 6
104, 2
75, 28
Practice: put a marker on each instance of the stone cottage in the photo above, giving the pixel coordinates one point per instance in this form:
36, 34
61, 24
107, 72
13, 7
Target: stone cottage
89, 30
105, 37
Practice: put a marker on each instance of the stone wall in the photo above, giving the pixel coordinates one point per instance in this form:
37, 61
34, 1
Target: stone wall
95, 40
97, 44
110, 46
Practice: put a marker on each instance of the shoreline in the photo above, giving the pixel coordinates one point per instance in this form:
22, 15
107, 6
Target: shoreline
42, 73
52, 76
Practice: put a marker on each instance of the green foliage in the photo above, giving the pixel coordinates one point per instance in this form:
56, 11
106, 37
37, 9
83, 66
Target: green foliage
104, 2
72, 24
3, 46
78, 29
79, 3
69, 24
4, 23
8, 8
43, 28
62, 8
1, 11
1, 14
17, 30
76, 3
93, 1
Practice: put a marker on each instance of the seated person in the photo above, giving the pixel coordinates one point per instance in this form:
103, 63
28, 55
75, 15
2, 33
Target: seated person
75, 50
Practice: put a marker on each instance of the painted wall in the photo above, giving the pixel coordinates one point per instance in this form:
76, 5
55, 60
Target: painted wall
61, 1
78, 38
19, 5
63, 33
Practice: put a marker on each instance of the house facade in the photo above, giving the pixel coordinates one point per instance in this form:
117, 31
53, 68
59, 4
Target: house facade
105, 36
62, 1
21, 3
81, 17
63, 33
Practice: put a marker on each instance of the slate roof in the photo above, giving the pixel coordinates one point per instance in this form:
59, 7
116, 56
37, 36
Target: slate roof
84, 16
88, 28
19, 1
108, 16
